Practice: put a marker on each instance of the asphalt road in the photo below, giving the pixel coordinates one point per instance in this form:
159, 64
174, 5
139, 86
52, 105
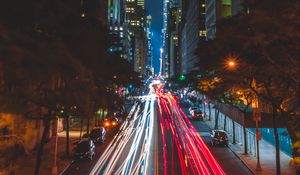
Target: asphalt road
84, 166
227, 159
165, 155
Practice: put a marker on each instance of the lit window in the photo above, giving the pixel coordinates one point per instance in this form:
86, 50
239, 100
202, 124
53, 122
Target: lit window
202, 33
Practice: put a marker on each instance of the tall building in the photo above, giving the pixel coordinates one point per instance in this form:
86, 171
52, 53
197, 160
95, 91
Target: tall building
192, 29
120, 37
217, 9
149, 65
137, 24
170, 58
165, 38
173, 59
115, 12
141, 3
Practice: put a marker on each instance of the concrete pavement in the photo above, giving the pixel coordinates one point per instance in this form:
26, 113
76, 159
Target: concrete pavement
267, 155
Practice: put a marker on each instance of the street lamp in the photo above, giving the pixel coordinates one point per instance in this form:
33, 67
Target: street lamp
231, 63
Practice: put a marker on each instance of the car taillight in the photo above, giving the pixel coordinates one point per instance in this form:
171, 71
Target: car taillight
106, 123
114, 123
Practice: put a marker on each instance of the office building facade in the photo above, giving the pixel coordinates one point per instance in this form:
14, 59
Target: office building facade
192, 30
217, 9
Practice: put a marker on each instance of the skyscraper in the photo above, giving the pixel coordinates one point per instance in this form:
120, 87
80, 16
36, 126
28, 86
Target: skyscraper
141, 3
173, 59
165, 36
192, 30
216, 9
117, 29
136, 20
149, 36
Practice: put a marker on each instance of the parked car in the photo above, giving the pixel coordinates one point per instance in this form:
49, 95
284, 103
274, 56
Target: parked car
85, 148
192, 108
106, 123
98, 134
114, 121
110, 122
219, 137
197, 114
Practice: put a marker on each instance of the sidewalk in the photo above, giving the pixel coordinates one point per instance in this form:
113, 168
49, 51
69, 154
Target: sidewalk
26, 163
267, 155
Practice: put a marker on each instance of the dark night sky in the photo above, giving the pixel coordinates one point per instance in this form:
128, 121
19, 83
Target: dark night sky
154, 8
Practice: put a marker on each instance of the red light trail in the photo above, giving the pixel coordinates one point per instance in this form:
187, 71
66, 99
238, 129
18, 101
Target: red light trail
193, 154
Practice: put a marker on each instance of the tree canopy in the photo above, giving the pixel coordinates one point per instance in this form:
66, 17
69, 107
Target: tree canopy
256, 54
264, 44
48, 45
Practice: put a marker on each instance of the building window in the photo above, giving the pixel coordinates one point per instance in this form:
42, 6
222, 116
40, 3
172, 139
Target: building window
202, 33
130, 10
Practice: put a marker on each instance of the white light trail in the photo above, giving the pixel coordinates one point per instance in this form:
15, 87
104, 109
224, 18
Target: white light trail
128, 152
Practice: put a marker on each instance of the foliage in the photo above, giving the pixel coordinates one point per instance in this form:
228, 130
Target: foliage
11, 148
269, 56
54, 42
50, 56
264, 44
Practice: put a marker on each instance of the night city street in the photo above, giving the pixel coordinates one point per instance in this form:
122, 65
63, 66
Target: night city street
150, 87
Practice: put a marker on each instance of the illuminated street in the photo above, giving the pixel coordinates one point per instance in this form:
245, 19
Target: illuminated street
158, 138
150, 87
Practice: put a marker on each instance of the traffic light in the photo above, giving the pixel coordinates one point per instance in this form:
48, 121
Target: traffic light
181, 78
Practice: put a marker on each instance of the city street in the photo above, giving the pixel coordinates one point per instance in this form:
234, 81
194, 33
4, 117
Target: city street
121, 87
227, 159
158, 138
85, 165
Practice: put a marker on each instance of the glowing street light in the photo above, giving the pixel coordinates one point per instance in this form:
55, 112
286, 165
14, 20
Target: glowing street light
231, 63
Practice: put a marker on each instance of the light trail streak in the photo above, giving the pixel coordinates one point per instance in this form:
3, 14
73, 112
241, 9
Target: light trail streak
128, 152
192, 151
161, 121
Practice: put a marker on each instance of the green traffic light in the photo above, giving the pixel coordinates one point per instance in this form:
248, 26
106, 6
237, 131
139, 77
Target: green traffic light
182, 78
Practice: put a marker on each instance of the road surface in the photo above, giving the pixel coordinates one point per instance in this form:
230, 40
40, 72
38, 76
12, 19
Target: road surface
158, 138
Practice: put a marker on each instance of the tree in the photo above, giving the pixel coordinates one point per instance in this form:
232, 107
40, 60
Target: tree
48, 54
268, 56
34, 86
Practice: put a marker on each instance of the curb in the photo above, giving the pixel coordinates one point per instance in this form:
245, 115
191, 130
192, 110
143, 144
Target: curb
246, 165
65, 169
